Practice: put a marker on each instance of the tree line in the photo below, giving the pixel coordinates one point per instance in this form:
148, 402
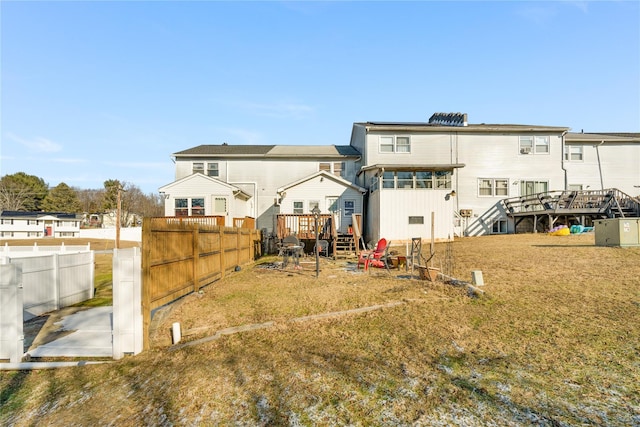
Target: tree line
29, 193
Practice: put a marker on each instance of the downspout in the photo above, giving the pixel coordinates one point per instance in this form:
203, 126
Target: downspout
562, 165
600, 165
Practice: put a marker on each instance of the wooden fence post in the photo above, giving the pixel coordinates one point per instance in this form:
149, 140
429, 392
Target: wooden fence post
146, 281
196, 256
223, 263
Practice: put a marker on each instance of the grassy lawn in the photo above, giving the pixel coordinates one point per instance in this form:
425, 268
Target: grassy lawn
553, 341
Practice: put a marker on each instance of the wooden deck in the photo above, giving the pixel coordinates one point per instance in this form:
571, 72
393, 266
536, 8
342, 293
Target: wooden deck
546, 209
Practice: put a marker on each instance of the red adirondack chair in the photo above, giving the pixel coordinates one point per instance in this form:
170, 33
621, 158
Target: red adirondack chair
374, 257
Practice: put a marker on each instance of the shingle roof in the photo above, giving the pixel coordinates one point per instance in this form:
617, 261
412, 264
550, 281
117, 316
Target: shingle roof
267, 151
35, 215
225, 150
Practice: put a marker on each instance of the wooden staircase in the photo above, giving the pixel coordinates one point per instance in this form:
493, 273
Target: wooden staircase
344, 246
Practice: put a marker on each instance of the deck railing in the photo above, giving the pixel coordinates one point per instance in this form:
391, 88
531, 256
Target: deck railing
585, 201
303, 226
202, 220
246, 222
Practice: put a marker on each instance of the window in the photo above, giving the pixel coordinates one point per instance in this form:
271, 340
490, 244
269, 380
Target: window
443, 179
325, 167
198, 167
499, 226
526, 144
386, 144
415, 180
395, 144
181, 207
573, 153
542, 145
220, 206
416, 220
298, 207
313, 204
212, 169
197, 207
534, 144
424, 179
388, 180
349, 207
373, 186
574, 187
405, 179
403, 144
485, 187
493, 187
337, 168
533, 187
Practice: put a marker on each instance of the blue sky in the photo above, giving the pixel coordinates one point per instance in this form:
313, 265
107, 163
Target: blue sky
93, 91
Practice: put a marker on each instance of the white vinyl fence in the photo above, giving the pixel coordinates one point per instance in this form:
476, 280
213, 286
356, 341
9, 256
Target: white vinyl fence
127, 302
11, 327
53, 281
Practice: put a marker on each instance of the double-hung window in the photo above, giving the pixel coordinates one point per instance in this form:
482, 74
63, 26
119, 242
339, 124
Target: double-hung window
212, 169
493, 187
197, 207
395, 144
298, 207
349, 207
198, 167
573, 153
530, 144
181, 207
189, 207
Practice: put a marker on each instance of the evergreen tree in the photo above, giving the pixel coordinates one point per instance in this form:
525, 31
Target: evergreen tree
62, 198
22, 192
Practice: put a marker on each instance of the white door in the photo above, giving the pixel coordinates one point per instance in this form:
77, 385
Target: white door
221, 208
333, 206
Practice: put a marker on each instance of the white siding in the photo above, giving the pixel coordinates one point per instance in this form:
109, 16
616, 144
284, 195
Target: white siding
199, 186
319, 189
496, 156
619, 163
389, 212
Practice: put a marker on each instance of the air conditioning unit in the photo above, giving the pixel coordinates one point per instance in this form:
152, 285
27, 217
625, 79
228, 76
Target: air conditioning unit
526, 150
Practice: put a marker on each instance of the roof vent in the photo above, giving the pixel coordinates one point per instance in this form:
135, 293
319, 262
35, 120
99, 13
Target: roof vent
449, 119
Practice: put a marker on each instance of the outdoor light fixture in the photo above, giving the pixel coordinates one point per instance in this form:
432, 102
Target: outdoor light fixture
316, 214
450, 195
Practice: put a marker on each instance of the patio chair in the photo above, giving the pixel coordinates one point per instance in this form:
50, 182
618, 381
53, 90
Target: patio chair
291, 248
323, 248
367, 257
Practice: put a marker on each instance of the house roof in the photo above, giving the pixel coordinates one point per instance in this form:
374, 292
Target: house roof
38, 215
270, 151
602, 137
327, 175
435, 127
237, 192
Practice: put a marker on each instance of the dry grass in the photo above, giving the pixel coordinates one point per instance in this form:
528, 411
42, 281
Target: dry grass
555, 341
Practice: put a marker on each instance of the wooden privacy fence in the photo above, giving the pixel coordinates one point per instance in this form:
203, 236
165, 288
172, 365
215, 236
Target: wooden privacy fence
181, 257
